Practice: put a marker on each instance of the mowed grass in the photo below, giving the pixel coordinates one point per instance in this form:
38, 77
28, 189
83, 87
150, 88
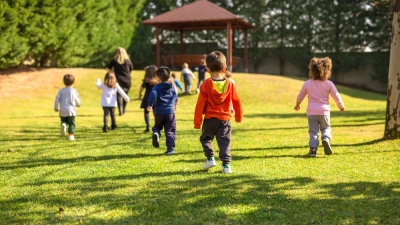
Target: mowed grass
119, 178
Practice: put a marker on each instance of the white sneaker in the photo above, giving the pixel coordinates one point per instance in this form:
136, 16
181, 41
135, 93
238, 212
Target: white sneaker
226, 169
71, 137
210, 163
156, 140
63, 129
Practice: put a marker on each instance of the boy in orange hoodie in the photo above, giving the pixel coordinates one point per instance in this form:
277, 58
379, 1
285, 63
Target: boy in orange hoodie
216, 95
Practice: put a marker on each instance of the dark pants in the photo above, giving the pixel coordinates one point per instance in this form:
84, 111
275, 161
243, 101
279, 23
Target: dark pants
168, 122
109, 111
146, 117
121, 101
221, 130
70, 121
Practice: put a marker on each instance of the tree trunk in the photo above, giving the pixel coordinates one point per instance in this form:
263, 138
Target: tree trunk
392, 125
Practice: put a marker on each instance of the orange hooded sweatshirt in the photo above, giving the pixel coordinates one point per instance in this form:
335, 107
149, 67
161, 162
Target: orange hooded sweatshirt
215, 105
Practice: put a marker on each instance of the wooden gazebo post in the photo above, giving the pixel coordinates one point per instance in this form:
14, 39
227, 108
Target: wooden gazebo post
246, 62
229, 47
158, 52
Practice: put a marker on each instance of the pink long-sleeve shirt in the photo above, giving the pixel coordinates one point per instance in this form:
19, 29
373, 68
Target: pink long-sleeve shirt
318, 92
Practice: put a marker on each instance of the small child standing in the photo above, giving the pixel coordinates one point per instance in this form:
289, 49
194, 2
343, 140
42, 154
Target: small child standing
163, 100
318, 88
215, 97
186, 75
150, 79
108, 101
68, 99
176, 81
201, 70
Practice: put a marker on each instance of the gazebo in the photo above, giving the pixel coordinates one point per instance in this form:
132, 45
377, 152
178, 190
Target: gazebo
200, 15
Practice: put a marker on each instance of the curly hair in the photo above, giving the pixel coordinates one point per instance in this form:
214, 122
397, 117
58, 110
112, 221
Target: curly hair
320, 68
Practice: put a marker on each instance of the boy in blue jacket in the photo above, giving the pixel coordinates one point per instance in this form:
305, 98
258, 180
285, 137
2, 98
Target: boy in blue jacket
163, 100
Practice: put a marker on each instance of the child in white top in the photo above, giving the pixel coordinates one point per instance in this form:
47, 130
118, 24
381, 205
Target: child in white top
68, 99
110, 89
318, 88
186, 75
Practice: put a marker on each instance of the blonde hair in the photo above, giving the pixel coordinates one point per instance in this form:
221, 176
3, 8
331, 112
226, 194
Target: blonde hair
320, 68
121, 55
185, 65
110, 80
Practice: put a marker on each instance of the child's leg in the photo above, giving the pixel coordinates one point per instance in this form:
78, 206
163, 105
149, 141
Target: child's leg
146, 117
325, 125
313, 129
209, 128
71, 124
158, 123
170, 131
106, 116
223, 136
113, 118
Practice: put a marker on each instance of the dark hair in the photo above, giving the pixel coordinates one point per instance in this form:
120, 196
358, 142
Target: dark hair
163, 73
150, 75
216, 61
320, 68
68, 79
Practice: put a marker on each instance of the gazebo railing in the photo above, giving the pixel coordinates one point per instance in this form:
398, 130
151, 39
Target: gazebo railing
176, 61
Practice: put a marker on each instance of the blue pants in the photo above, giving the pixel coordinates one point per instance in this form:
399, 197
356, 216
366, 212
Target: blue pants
316, 123
168, 122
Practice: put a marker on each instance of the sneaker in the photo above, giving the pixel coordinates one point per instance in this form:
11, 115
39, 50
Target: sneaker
312, 152
114, 126
327, 146
156, 140
71, 137
63, 129
210, 163
226, 168
170, 152
147, 130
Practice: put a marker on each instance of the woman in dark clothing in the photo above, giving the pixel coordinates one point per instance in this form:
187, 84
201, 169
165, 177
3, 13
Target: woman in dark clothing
122, 66
150, 79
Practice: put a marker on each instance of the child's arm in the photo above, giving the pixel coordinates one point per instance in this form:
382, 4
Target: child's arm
152, 99
192, 74
140, 92
122, 93
336, 97
98, 83
198, 112
77, 99
300, 97
56, 102
237, 105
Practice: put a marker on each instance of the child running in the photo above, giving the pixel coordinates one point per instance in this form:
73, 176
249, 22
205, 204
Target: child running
110, 89
68, 99
187, 74
150, 79
162, 100
215, 97
318, 88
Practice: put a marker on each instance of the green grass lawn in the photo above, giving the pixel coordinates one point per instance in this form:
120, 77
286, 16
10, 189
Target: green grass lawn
119, 178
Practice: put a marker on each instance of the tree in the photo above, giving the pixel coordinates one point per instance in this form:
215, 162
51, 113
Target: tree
392, 125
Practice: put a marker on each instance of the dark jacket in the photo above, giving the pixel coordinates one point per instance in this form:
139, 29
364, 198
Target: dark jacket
163, 98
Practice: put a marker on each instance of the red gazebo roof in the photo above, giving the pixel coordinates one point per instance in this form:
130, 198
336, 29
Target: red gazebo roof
199, 15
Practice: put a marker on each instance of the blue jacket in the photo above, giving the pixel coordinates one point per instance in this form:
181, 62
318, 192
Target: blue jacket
163, 98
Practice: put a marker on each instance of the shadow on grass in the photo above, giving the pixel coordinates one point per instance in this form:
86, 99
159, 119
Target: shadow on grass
366, 115
214, 199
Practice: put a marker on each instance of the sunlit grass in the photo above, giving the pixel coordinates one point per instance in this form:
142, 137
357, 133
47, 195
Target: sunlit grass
119, 178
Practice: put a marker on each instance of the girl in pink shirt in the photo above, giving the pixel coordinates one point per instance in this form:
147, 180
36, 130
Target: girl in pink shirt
318, 88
